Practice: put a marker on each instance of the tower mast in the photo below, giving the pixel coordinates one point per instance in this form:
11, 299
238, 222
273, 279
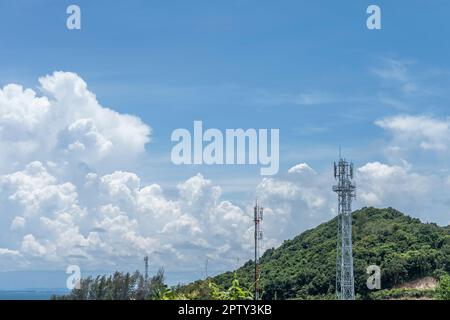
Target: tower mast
345, 189
146, 268
258, 217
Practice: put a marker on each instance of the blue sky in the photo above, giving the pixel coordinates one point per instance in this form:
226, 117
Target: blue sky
310, 68
230, 64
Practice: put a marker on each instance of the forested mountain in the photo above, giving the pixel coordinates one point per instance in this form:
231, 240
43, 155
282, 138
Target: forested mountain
304, 267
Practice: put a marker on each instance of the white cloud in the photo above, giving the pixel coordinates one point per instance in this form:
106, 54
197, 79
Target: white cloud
263, 97
83, 140
394, 71
107, 220
35, 190
67, 123
418, 194
396, 186
409, 131
302, 168
32, 247
18, 223
299, 201
7, 252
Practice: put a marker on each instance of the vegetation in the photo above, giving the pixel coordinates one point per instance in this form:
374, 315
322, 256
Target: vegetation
126, 286
304, 268
234, 292
120, 286
443, 288
401, 294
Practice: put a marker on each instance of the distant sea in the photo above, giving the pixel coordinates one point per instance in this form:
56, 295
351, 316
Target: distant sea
29, 294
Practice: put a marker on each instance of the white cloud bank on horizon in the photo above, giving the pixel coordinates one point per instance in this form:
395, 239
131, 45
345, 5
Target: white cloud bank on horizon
112, 218
50, 218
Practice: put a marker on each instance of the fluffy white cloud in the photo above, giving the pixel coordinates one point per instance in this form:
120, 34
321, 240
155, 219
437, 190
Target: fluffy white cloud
67, 123
47, 215
421, 195
381, 185
18, 223
302, 168
31, 246
51, 222
10, 259
35, 191
409, 131
300, 200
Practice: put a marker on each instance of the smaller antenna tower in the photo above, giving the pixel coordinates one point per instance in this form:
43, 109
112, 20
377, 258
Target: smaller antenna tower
146, 267
258, 217
206, 268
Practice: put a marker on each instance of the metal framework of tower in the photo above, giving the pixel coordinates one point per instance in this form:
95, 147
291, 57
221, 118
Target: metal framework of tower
346, 191
258, 217
146, 267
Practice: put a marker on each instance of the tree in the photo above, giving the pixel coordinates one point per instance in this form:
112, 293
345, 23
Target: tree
443, 288
235, 292
121, 286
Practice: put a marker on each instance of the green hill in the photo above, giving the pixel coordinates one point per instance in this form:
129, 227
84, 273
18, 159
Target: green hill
304, 267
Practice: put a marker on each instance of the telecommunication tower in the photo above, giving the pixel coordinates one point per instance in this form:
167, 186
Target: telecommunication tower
146, 267
258, 236
345, 189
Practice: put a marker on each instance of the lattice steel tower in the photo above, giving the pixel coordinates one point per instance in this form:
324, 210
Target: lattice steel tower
146, 268
258, 236
345, 281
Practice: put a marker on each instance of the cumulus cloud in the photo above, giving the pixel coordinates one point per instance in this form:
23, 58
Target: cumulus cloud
50, 217
35, 191
108, 220
297, 201
397, 186
65, 123
409, 131
49, 222
17, 223
10, 259
302, 168
31, 246
419, 194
